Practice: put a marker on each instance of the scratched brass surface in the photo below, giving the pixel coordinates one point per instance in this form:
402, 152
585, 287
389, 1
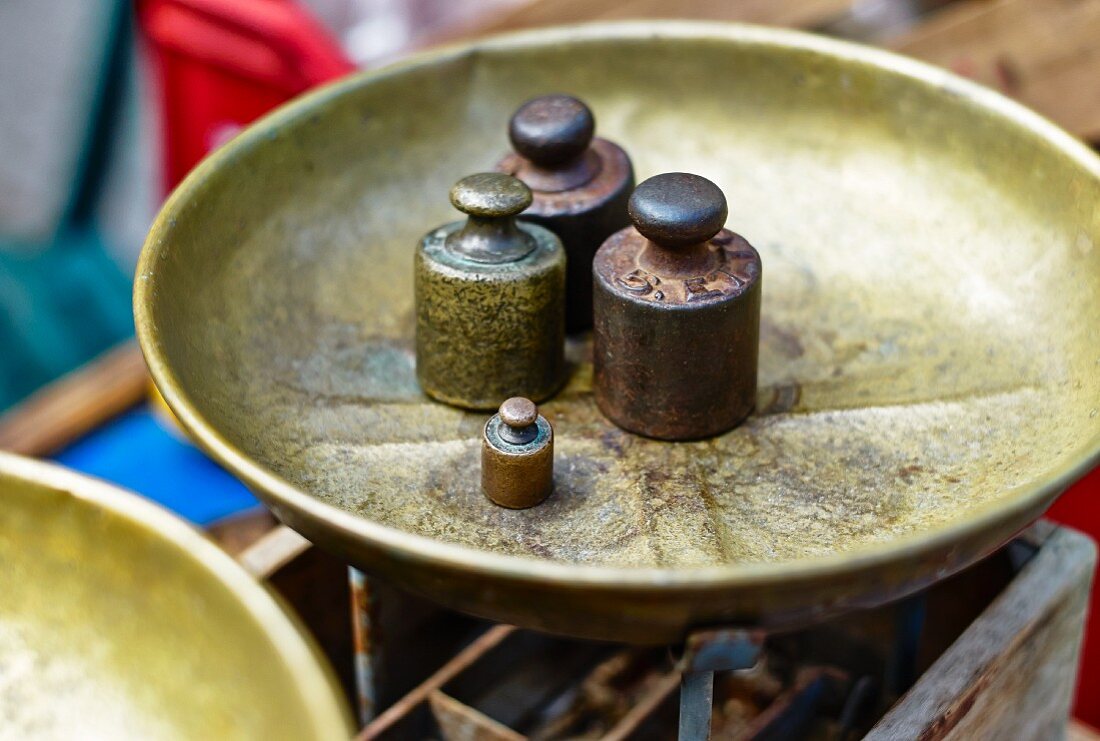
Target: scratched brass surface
119, 621
929, 360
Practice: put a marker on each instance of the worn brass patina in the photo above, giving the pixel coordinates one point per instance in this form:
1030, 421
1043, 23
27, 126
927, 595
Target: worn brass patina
929, 359
581, 186
677, 310
517, 455
120, 621
490, 300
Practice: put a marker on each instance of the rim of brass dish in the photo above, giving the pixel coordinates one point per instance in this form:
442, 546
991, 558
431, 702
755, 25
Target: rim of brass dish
1015, 503
291, 644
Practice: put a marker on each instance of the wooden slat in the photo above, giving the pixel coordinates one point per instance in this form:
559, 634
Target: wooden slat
238, 532
273, 551
537, 13
647, 705
1045, 53
70, 407
1011, 673
460, 722
778, 12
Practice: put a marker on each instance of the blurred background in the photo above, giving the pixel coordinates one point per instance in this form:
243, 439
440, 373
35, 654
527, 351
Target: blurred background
106, 104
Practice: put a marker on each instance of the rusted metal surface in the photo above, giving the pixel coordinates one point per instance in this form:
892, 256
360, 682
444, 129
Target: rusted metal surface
677, 312
928, 355
646, 706
459, 722
365, 643
461, 661
581, 186
517, 455
793, 712
490, 300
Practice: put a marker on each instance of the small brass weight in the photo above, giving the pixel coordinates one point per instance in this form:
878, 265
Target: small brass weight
490, 300
517, 455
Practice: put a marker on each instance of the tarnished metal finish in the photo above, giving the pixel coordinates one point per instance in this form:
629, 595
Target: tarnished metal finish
517, 455
552, 132
928, 355
696, 705
581, 186
707, 652
119, 620
677, 310
363, 626
721, 649
490, 300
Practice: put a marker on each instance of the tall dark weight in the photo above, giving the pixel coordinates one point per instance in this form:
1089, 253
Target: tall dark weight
580, 185
677, 315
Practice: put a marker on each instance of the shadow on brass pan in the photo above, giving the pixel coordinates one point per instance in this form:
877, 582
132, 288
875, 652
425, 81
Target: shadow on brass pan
929, 364
118, 620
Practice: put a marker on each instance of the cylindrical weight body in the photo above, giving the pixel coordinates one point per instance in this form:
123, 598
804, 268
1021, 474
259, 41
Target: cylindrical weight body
517, 472
582, 217
675, 356
489, 331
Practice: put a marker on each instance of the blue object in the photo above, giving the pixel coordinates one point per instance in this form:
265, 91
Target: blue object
136, 452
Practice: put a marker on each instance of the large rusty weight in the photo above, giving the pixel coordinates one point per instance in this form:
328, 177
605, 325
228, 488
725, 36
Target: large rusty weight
928, 369
677, 314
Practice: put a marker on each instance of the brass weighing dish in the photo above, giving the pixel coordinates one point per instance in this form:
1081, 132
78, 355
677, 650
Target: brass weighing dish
930, 341
119, 620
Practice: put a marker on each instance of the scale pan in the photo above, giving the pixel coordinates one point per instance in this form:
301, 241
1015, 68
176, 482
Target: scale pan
118, 620
930, 354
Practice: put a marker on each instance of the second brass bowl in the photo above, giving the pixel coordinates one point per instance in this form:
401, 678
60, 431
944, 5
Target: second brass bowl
119, 621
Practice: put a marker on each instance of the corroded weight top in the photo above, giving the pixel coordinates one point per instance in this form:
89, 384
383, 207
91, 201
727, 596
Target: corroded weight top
580, 184
489, 300
677, 310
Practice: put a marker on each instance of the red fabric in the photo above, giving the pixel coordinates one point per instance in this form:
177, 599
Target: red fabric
223, 63
1080, 509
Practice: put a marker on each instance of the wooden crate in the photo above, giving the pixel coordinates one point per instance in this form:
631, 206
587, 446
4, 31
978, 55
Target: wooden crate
999, 656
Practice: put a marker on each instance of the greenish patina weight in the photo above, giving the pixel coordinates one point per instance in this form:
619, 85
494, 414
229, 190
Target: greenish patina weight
490, 300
